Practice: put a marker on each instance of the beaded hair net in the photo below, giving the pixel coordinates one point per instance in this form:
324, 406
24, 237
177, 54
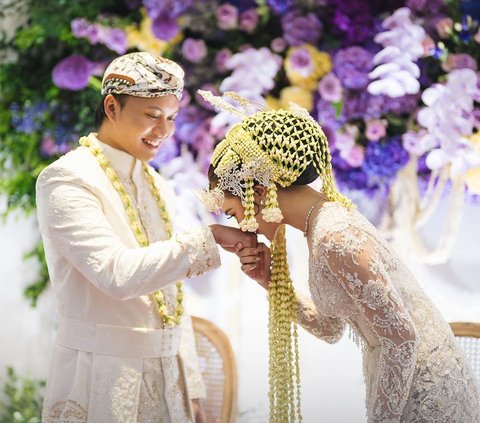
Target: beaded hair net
143, 75
269, 147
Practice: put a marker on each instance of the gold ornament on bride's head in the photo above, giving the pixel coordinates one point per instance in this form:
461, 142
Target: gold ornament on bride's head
270, 148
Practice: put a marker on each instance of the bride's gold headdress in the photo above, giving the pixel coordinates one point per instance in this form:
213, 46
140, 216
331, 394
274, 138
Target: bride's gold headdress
271, 147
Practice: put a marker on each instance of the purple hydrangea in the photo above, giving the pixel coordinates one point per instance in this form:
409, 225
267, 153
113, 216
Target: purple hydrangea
280, 7
73, 72
352, 66
300, 29
326, 115
188, 120
80, 27
167, 151
166, 8
30, 118
164, 14
385, 159
116, 40
353, 20
165, 28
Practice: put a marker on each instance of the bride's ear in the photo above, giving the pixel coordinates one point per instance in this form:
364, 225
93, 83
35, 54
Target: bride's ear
260, 193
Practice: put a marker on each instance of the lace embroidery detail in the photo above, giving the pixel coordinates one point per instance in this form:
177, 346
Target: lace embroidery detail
326, 328
414, 370
66, 411
174, 389
125, 397
201, 249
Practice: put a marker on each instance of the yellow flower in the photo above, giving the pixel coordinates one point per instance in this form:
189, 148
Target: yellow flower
472, 178
298, 95
143, 38
305, 66
272, 103
475, 139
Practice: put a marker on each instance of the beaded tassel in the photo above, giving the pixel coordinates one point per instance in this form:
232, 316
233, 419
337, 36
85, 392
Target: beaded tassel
272, 212
284, 371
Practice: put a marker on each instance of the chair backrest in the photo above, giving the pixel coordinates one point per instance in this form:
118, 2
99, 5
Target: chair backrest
468, 336
218, 368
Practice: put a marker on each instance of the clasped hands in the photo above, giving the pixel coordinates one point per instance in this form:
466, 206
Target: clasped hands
254, 256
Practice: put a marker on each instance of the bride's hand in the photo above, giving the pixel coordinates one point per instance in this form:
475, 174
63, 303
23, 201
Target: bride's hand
255, 262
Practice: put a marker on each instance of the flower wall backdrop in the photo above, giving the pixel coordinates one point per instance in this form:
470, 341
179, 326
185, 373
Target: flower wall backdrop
392, 82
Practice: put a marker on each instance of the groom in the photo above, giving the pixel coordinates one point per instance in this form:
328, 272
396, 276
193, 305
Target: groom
124, 350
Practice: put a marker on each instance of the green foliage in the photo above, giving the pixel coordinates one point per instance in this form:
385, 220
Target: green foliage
35, 112
24, 399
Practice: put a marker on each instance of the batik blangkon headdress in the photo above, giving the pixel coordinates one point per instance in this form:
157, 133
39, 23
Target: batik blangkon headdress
269, 147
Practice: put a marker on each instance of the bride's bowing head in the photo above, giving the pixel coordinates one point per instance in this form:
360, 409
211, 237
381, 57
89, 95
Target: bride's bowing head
256, 168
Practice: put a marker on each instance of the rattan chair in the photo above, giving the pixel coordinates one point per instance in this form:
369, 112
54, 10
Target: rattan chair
468, 336
217, 365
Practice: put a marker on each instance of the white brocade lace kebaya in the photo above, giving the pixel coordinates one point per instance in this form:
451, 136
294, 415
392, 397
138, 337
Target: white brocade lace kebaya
414, 370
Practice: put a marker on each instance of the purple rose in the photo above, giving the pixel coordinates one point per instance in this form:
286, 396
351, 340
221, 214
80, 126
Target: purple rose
221, 59
376, 129
194, 50
73, 72
354, 156
165, 28
227, 17
301, 62
249, 20
116, 40
278, 45
330, 88
459, 61
298, 29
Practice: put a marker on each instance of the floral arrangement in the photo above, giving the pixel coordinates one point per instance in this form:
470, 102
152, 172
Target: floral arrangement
389, 81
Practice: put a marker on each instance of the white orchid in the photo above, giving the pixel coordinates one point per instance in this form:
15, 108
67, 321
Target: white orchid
396, 73
449, 120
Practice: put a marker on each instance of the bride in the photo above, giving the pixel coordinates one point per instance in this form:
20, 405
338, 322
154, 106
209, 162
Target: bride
414, 370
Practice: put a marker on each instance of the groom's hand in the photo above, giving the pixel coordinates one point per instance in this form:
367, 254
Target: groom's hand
228, 237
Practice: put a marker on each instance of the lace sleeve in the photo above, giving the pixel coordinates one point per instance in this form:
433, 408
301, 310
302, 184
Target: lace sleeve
70, 214
329, 329
354, 260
